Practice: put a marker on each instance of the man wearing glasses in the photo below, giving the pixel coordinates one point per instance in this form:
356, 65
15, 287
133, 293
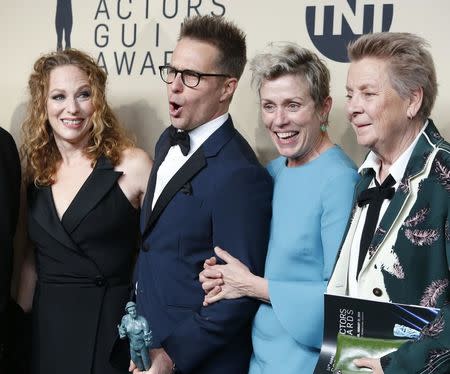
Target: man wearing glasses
206, 189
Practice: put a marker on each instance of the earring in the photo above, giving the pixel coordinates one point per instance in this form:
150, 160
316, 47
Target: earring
409, 116
323, 127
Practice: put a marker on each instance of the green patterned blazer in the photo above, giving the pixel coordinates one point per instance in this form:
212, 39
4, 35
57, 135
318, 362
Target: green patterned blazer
409, 256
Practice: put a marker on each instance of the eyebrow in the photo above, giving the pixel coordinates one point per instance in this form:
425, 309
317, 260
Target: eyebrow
285, 99
82, 87
364, 86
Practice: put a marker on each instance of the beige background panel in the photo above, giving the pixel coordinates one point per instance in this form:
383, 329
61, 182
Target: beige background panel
27, 30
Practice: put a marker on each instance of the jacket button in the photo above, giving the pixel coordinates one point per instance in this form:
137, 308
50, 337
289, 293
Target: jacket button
99, 281
377, 292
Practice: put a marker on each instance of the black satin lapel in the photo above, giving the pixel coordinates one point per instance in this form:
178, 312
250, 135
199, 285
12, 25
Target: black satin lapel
150, 192
98, 184
195, 163
148, 198
43, 211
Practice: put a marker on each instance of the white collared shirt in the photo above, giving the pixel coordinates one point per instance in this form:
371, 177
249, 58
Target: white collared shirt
397, 170
175, 159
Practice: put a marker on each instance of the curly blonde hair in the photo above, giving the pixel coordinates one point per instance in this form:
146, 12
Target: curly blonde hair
107, 137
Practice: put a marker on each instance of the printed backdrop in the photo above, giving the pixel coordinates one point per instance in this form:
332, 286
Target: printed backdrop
131, 38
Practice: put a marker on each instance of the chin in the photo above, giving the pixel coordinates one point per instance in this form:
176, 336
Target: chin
364, 143
179, 124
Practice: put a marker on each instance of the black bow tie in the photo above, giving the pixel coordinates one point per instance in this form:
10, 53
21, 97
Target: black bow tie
374, 197
180, 138
379, 192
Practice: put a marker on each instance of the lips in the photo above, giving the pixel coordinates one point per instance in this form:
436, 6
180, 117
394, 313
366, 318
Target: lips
361, 125
175, 109
72, 123
286, 137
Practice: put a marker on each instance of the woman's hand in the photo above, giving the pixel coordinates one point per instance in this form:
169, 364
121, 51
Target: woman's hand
231, 280
371, 363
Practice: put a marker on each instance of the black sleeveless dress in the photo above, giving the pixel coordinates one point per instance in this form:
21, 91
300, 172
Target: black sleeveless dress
84, 263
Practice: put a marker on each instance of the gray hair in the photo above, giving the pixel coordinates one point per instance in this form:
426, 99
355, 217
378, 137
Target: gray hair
281, 58
410, 65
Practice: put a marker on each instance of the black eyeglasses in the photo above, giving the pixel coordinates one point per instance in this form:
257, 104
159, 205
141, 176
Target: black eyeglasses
189, 78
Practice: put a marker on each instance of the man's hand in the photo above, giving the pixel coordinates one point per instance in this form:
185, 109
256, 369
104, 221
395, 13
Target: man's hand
132, 366
161, 363
209, 278
371, 363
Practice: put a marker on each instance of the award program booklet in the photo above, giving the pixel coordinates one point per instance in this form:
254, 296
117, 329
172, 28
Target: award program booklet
383, 324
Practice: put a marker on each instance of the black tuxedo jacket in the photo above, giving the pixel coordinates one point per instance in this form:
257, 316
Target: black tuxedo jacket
220, 196
9, 205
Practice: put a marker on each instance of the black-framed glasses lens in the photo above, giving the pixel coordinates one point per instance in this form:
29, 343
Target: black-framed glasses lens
167, 74
189, 78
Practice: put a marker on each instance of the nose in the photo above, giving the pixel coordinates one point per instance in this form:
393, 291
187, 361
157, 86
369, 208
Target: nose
280, 117
72, 106
353, 105
177, 84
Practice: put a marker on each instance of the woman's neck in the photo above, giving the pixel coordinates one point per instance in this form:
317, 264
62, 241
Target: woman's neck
322, 143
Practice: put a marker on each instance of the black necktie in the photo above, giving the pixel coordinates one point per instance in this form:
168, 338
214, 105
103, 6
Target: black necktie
374, 197
180, 138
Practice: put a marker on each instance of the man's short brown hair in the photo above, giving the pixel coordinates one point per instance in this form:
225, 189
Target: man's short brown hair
224, 35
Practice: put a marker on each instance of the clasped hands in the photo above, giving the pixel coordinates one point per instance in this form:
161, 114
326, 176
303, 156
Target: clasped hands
234, 279
228, 281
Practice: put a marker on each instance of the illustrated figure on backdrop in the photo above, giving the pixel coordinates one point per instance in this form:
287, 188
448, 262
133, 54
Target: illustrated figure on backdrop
86, 184
313, 188
136, 329
63, 23
397, 244
207, 188
9, 201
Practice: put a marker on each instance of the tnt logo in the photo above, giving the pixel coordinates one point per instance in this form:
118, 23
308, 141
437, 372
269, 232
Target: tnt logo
334, 23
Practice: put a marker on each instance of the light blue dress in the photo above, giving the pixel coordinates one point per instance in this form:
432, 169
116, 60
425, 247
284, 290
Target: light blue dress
311, 205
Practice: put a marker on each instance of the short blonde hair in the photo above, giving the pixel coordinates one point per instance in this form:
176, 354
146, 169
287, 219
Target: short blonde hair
281, 58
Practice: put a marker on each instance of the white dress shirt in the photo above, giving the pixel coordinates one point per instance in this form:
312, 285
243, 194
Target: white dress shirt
397, 170
175, 159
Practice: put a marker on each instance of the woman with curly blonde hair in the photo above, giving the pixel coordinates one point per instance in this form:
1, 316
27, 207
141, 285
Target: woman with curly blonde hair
39, 148
86, 184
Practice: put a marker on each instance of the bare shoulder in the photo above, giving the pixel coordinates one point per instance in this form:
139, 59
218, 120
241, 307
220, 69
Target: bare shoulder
136, 166
135, 160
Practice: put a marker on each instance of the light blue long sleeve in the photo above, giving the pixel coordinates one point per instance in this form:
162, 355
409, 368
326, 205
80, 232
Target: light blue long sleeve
311, 205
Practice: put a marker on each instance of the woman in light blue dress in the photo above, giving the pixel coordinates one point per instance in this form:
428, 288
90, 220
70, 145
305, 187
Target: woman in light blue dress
313, 188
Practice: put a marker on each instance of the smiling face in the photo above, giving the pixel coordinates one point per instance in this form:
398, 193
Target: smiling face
376, 111
192, 107
69, 105
291, 117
